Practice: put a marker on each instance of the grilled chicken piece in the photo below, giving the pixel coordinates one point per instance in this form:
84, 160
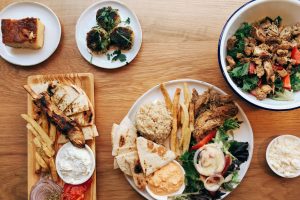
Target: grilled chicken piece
214, 118
211, 110
63, 123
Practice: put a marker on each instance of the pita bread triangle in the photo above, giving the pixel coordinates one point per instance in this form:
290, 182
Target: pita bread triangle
153, 156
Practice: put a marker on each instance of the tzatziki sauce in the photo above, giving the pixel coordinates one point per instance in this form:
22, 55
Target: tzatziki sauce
283, 156
75, 165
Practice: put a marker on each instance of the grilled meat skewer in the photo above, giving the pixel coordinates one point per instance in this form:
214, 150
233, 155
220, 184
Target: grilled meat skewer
63, 123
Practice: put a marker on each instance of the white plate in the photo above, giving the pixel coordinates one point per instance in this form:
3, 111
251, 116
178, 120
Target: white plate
244, 133
251, 12
88, 19
27, 57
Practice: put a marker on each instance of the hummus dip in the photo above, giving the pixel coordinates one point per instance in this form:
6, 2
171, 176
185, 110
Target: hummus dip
166, 180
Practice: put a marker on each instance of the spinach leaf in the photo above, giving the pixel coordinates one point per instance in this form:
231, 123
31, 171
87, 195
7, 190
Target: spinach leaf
249, 83
240, 70
192, 180
239, 150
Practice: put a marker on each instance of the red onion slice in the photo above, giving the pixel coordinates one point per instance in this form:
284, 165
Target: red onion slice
45, 189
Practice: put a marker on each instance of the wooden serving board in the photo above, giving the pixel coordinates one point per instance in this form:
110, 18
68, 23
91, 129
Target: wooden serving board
86, 82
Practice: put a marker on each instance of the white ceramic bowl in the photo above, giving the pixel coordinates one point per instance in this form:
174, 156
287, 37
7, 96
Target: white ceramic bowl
268, 158
251, 12
77, 181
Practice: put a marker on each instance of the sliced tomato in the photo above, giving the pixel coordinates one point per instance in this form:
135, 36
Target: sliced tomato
287, 82
227, 164
205, 140
76, 192
252, 68
296, 55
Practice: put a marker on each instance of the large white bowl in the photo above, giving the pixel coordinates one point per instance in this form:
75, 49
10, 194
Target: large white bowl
252, 11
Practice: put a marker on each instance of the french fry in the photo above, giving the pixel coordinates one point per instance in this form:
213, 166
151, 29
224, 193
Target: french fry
185, 120
48, 151
53, 169
167, 98
37, 142
186, 94
38, 129
52, 132
174, 122
41, 161
32, 130
192, 116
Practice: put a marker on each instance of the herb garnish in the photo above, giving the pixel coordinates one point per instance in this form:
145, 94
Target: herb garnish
127, 21
116, 55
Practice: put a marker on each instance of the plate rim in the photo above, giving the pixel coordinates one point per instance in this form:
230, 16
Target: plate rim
53, 14
241, 111
138, 23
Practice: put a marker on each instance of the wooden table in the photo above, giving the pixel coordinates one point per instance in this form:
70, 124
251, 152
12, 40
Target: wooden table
179, 41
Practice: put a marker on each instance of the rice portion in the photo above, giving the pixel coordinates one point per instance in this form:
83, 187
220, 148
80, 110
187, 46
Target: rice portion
154, 121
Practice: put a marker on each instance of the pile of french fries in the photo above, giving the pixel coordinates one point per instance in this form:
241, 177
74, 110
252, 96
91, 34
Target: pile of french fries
44, 136
183, 118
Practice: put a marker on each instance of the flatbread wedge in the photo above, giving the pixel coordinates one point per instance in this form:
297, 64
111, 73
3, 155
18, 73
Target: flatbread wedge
153, 156
79, 105
137, 173
123, 165
125, 136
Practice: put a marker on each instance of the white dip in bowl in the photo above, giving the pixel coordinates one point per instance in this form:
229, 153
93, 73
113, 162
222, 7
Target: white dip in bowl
75, 165
283, 156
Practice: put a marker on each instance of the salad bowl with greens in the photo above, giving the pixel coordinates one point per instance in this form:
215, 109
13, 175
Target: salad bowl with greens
259, 53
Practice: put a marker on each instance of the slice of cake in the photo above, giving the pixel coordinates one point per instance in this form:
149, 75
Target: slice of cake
23, 33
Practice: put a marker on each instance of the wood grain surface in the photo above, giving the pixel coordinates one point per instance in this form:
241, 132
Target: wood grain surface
179, 41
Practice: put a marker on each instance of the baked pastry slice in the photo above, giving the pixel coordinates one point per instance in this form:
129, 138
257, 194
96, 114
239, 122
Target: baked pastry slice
23, 33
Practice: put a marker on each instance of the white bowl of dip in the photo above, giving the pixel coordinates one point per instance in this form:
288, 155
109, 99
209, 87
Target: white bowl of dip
165, 197
283, 156
75, 165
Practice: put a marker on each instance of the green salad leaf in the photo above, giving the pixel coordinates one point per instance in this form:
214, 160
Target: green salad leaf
241, 33
239, 150
295, 81
249, 83
229, 186
240, 70
284, 95
192, 180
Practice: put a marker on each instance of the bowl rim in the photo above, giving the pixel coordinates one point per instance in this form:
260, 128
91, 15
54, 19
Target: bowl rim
254, 103
268, 159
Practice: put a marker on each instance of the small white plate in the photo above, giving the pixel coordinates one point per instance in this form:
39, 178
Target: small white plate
88, 19
243, 134
52, 34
